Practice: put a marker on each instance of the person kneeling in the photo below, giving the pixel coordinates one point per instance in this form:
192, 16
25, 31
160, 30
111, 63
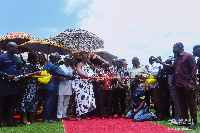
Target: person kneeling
139, 112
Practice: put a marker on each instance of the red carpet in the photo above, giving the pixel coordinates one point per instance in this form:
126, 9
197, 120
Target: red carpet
116, 125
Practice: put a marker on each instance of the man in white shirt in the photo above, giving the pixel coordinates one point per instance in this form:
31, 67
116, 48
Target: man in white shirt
140, 71
64, 91
154, 69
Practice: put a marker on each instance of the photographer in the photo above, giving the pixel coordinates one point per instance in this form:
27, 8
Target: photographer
154, 69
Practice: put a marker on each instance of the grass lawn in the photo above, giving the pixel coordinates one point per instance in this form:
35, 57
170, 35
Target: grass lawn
180, 128
36, 127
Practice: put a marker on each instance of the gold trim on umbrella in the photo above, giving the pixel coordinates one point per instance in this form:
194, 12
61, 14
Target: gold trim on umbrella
47, 41
13, 35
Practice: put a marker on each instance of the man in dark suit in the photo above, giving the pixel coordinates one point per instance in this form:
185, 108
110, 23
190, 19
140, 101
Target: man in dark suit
50, 89
9, 68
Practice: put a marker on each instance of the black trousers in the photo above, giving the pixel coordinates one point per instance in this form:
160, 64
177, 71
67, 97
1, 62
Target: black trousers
96, 96
119, 94
12, 101
164, 99
156, 98
105, 96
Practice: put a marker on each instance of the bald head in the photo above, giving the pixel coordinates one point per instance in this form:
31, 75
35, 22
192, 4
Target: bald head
12, 48
53, 57
135, 62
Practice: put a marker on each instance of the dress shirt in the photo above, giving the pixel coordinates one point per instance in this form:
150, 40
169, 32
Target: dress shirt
184, 70
141, 70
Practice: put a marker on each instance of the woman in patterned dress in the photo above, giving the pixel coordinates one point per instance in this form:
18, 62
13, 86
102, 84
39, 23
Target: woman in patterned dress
85, 101
30, 88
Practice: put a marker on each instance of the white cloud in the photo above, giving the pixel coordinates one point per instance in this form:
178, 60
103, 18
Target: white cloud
132, 28
72, 5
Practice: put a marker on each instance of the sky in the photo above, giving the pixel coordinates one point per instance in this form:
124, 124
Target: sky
129, 28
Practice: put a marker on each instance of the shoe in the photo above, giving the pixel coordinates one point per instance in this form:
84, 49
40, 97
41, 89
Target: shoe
103, 117
170, 120
11, 124
59, 120
67, 118
31, 121
123, 116
153, 116
49, 121
116, 115
78, 118
178, 123
26, 123
193, 126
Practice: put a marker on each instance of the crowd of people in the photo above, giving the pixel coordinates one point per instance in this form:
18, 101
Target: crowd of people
103, 91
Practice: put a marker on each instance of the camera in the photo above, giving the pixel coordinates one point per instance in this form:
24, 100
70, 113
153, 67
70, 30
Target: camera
154, 59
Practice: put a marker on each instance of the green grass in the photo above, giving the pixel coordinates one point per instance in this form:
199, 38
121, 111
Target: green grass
180, 128
36, 127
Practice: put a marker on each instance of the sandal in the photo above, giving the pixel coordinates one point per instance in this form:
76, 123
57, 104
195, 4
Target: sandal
88, 118
78, 117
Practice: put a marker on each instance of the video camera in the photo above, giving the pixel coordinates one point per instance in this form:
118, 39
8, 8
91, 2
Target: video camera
154, 59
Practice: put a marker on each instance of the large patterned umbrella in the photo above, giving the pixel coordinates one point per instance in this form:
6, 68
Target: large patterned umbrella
17, 37
45, 46
106, 56
78, 40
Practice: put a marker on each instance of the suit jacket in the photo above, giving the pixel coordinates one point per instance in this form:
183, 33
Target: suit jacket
9, 65
54, 71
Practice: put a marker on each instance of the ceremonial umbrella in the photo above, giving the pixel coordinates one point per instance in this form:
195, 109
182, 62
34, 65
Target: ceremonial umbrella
106, 56
17, 37
78, 40
46, 46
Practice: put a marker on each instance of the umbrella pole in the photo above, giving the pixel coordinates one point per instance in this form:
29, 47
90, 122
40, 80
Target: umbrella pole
48, 54
78, 45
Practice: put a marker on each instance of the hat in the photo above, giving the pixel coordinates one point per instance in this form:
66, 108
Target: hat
120, 61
